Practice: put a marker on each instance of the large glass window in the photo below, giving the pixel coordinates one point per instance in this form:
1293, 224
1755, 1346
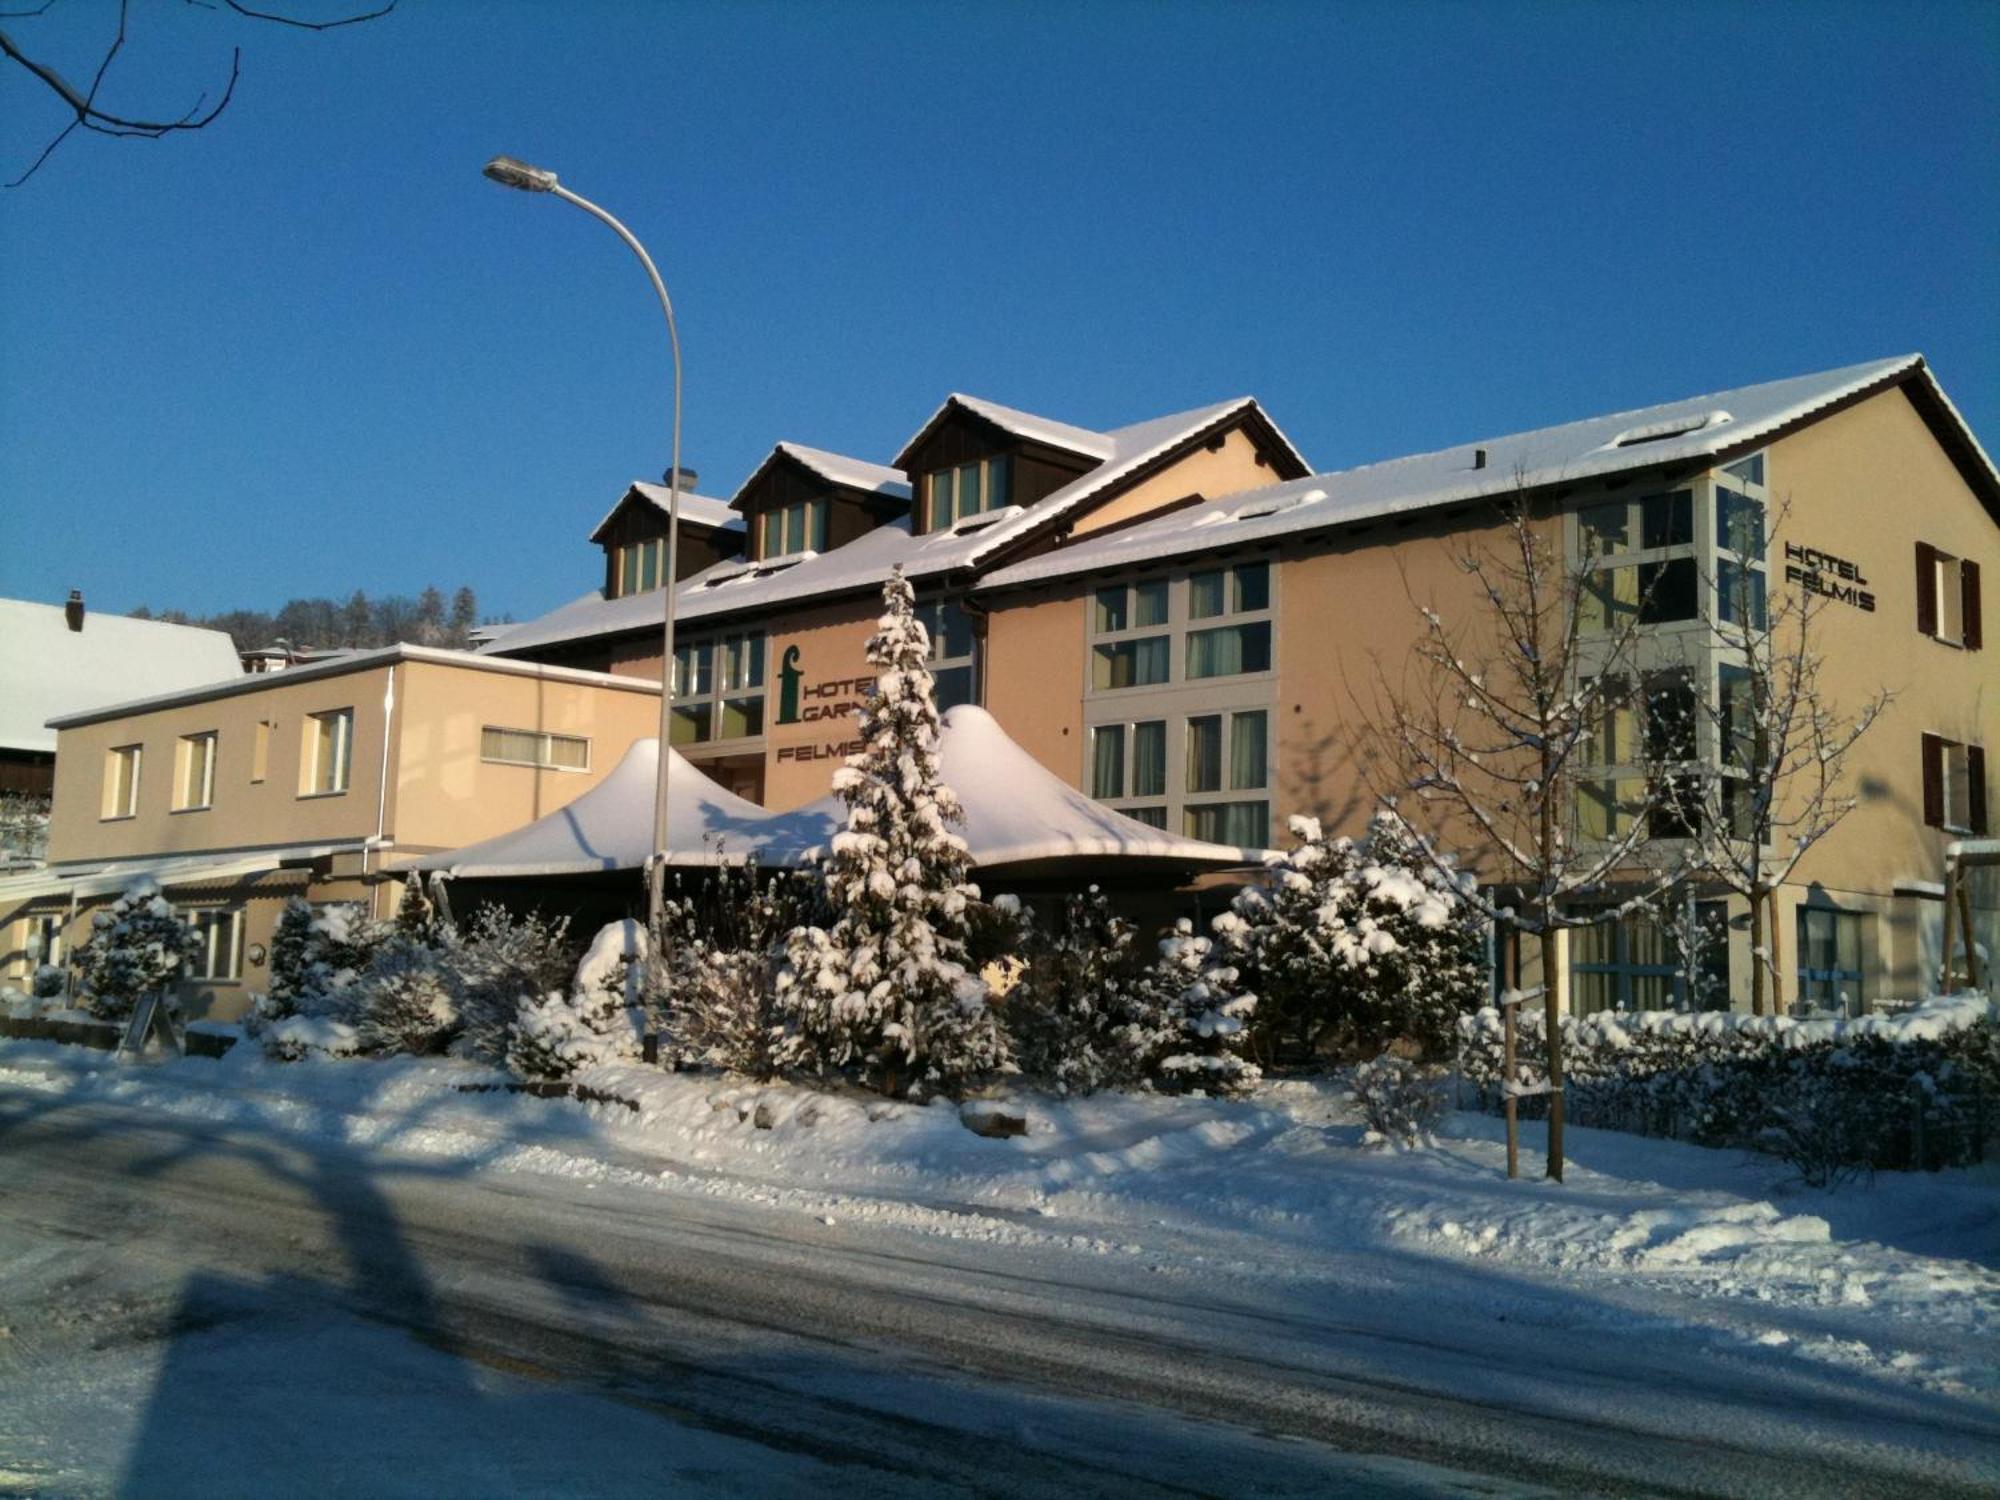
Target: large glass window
121, 781
1124, 664
639, 566
220, 936
790, 529
1641, 553
529, 747
194, 772
1227, 754
1830, 973
718, 689
1636, 962
329, 752
954, 653
1128, 767
968, 489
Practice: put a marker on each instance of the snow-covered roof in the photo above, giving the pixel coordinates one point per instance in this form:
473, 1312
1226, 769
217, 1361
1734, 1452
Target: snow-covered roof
610, 827
1017, 812
334, 664
851, 473
1016, 423
48, 671
1693, 429
101, 877
736, 587
696, 510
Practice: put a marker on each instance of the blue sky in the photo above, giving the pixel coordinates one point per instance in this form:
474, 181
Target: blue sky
310, 348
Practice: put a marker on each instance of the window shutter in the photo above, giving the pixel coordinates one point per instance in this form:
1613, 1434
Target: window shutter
1975, 767
1933, 781
1926, 589
1969, 590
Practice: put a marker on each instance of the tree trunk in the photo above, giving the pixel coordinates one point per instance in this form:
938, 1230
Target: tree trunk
1775, 938
1756, 953
1555, 991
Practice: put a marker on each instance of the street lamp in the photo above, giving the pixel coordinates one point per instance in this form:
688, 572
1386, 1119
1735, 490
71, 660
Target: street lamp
511, 172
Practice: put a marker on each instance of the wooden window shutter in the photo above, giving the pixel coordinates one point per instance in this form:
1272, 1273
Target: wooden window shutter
1926, 589
1975, 777
1969, 605
1933, 781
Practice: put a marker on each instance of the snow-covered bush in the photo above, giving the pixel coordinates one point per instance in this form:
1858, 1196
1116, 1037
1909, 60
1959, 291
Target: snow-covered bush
498, 965
318, 954
138, 944
51, 982
1213, 1011
1914, 1089
713, 985
293, 1038
887, 992
1402, 1101
416, 919
403, 1001
1085, 1014
602, 1019
1351, 946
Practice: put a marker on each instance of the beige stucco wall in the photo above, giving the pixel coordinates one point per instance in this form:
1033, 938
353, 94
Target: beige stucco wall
1037, 649
1868, 484
243, 814
1230, 469
443, 795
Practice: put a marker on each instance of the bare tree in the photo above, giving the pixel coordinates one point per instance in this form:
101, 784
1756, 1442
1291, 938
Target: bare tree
1497, 735
1774, 780
91, 115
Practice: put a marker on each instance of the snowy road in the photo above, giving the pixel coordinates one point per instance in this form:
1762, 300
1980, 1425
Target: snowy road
209, 1308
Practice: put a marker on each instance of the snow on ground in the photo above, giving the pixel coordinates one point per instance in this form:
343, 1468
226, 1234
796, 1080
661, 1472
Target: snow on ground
1710, 1252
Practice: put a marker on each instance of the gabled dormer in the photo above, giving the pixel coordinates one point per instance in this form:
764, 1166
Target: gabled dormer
976, 456
634, 536
804, 499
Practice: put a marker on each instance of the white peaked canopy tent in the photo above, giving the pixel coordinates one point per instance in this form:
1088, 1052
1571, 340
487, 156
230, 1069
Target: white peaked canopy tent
1019, 816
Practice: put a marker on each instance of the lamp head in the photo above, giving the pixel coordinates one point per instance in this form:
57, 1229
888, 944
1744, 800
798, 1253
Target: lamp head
512, 172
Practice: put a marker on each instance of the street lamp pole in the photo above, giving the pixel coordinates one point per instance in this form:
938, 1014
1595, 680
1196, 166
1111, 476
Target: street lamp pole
509, 172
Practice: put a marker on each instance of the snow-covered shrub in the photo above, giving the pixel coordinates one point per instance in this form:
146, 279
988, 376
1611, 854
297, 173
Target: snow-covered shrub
1085, 1014
403, 1001
51, 982
558, 1034
1403, 1102
318, 954
1213, 1011
497, 965
138, 944
887, 992
1351, 946
1912, 1089
713, 985
293, 1038
416, 919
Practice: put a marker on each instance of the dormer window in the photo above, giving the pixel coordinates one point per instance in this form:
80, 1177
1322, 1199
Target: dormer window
967, 490
637, 565
789, 529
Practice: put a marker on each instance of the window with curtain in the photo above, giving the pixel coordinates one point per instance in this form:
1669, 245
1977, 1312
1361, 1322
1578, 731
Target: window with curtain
329, 753
1128, 767
529, 747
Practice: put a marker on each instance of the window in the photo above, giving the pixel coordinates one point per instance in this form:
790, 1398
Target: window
1948, 598
529, 747
968, 490
1128, 766
1954, 785
45, 942
1229, 650
220, 934
1739, 566
1126, 606
1227, 754
718, 689
1740, 752
121, 781
953, 658
329, 753
1830, 975
1637, 962
790, 529
260, 750
1642, 556
194, 772
639, 566
1124, 664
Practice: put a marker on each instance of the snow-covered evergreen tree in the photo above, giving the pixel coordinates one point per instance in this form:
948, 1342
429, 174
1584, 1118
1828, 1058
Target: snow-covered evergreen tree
318, 955
416, 918
403, 1002
1085, 1014
137, 944
1192, 982
500, 965
886, 991
1353, 946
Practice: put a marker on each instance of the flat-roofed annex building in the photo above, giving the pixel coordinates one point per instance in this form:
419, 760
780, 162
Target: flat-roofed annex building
1181, 619
235, 796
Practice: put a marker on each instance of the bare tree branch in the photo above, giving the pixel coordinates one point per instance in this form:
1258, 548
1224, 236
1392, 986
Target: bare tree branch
265, 15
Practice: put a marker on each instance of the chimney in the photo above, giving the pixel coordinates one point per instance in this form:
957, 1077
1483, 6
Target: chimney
1478, 458
73, 609
689, 479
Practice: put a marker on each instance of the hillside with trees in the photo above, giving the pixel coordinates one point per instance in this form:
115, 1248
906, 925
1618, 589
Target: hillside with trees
321, 624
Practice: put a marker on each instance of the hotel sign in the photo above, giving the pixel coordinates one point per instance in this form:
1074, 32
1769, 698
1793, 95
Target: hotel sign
1831, 577
831, 700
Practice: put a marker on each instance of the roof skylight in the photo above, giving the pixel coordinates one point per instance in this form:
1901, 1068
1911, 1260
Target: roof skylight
1672, 427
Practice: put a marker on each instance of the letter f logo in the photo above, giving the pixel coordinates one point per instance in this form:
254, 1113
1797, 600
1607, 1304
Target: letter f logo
788, 687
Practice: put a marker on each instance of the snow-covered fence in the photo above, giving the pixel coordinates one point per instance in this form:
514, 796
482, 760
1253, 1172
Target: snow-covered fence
1918, 1089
